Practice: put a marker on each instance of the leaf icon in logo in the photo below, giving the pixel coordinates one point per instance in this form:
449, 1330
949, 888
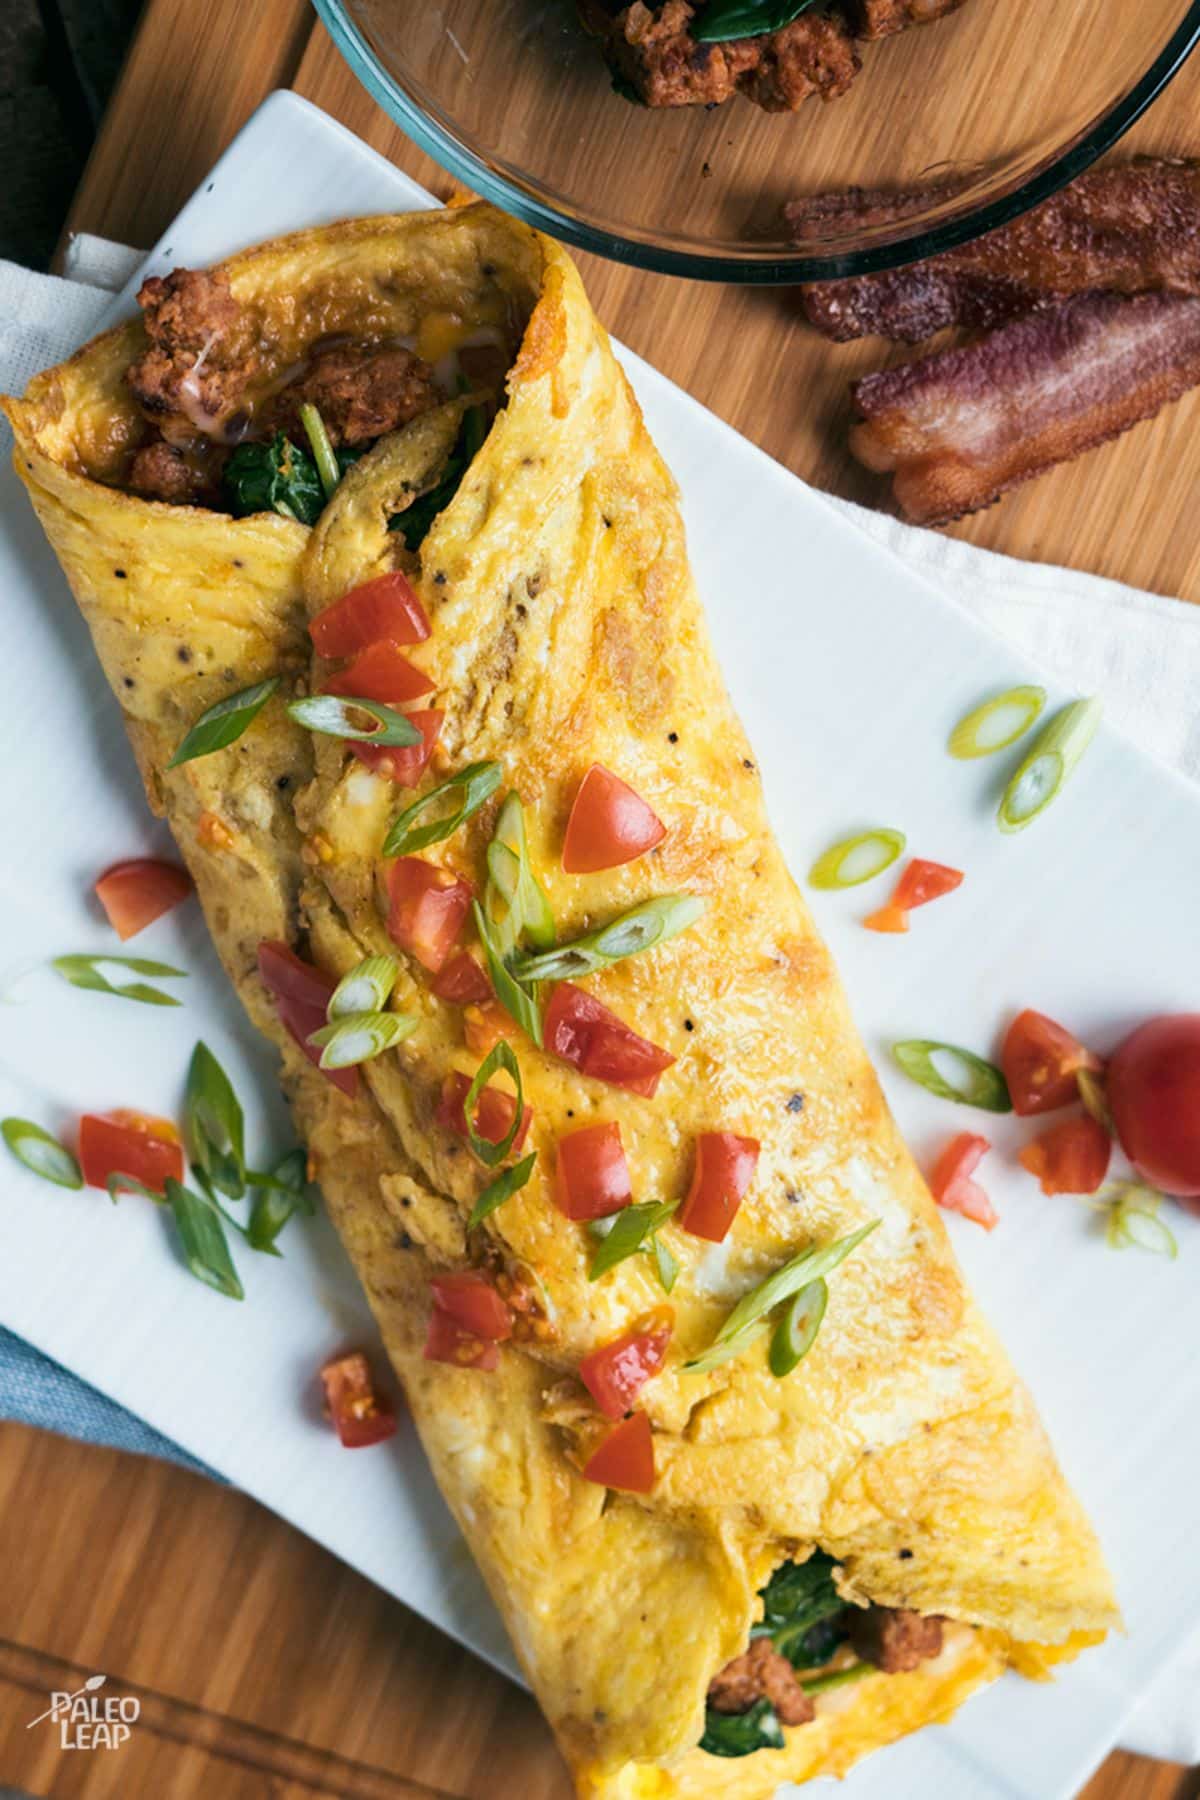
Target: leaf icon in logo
93, 1682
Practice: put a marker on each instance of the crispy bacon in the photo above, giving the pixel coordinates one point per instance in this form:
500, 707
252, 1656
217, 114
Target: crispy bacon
1131, 229
960, 427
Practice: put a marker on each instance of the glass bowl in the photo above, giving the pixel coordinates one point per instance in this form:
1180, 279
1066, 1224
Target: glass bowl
994, 106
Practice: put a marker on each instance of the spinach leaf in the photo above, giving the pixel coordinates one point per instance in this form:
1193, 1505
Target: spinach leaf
414, 522
725, 19
274, 477
803, 1611
741, 1734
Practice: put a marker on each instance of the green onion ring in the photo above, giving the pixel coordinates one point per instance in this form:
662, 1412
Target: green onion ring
997, 723
1049, 764
475, 785
796, 1332
329, 714
982, 1083
501, 1188
41, 1154
854, 860
500, 1056
360, 1037
366, 989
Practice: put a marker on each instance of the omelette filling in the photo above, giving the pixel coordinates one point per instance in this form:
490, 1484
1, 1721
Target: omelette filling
237, 423
809, 1641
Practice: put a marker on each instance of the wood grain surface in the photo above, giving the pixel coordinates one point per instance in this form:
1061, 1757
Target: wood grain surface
264, 1667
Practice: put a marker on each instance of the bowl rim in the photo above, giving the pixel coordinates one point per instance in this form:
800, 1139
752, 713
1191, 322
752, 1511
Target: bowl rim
768, 271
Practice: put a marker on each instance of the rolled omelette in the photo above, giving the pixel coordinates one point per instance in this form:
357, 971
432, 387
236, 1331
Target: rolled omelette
816, 1562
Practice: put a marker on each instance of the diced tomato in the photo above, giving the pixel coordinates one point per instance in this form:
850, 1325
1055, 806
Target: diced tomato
1154, 1091
301, 995
359, 1416
135, 893
920, 883
129, 1143
1071, 1157
594, 1041
403, 763
625, 1458
951, 1184
724, 1169
616, 1373
462, 981
593, 1176
609, 825
381, 673
494, 1112
473, 1303
383, 609
484, 1026
1041, 1062
447, 1342
428, 911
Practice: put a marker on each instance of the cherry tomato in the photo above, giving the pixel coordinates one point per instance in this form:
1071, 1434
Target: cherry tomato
593, 1176
920, 883
447, 1342
301, 995
616, 1373
1071, 1157
428, 911
593, 1040
625, 1458
462, 981
494, 1112
359, 1416
609, 825
951, 1184
473, 1303
129, 1143
1154, 1092
723, 1170
386, 608
381, 673
1041, 1061
403, 763
135, 893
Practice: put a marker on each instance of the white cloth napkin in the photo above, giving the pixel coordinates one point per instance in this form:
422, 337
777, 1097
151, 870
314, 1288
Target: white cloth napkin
1140, 651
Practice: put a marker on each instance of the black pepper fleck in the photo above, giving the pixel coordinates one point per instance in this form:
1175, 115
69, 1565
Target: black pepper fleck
439, 578
120, 574
795, 1103
688, 1026
746, 763
284, 781
672, 737
184, 654
238, 563
129, 681
793, 1197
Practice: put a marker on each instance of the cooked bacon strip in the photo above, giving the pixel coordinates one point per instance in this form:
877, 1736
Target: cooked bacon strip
960, 427
873, 19
1132, 229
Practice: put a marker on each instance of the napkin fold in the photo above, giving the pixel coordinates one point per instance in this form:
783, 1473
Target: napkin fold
1140, 651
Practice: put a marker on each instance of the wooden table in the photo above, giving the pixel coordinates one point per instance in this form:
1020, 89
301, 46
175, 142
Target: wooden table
263, 1666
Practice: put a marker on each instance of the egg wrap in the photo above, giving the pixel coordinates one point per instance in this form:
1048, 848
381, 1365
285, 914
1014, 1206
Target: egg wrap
566, 631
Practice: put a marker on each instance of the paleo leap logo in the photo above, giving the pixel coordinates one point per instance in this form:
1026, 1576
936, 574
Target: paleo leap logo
86, 1722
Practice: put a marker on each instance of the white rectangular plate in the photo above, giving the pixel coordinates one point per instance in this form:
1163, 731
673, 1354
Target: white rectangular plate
848, 672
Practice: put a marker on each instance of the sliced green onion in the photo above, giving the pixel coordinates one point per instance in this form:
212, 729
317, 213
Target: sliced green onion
627, 1233
500, 1056
84, 972
41, 1154
1134, 1224
222, 724
727, 1350
280, 1195
971, 1081
473, 785
1095, 1099
1050, 762
366, 989
199, 1222
322, 449
997, 723
360, 1037
502, 1188
517, 1003
515, 901
788, 1280
821, 1684
666, 1264
641, 928
214, 1124
329, 714
857, 859
796, 1332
